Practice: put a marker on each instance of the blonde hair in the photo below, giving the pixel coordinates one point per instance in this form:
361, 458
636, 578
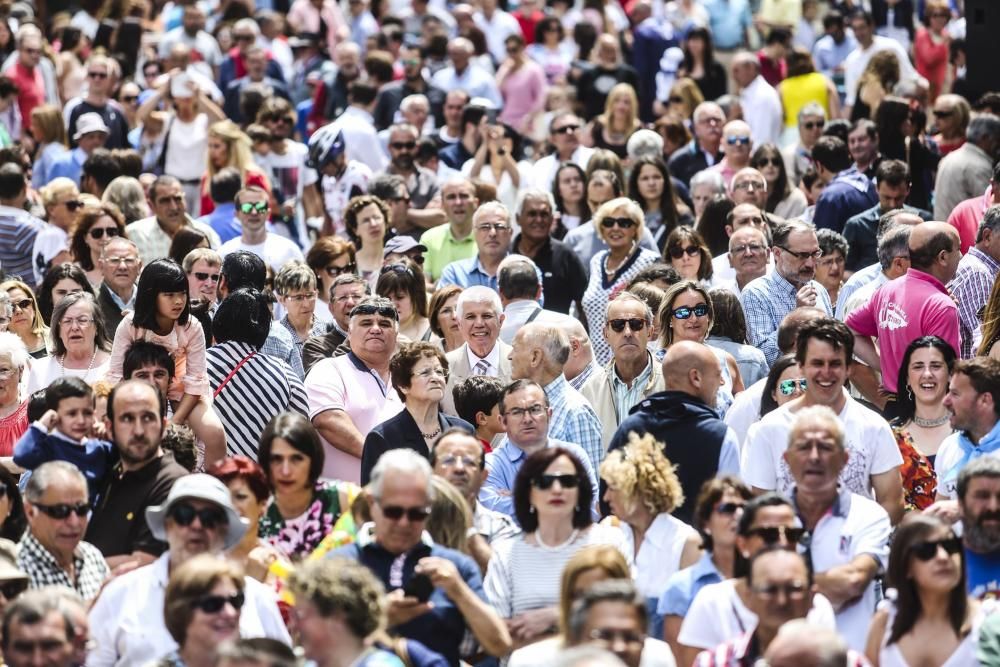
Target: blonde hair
37, 323
642, 473
607, 118
602, 557
450, 517
55, 189
238, 147
632, 210
47, 125
689, 91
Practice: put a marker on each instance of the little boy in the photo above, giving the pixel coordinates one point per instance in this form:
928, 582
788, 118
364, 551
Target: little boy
477, 401
63, 433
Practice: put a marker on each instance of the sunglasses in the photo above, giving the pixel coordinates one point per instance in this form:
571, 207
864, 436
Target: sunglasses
97, 75
369, 309
403, 145
684, 312
565, 129
634, 323
769, 162
678, 252
729, 508
789, 387
401, 269
676, 99
624, 223
254, 207
73, 205
214, 277
334, 271
413, 514
942, 113
129, 99
23, 304
63, 510
738, 141
99, 232
773, 534
11, 589
213, 604
545, 482
184, 514
925, 551
813, 124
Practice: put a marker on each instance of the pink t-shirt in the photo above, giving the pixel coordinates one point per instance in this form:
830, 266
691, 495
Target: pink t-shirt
966, 216
523, 94
913, 305
345, 383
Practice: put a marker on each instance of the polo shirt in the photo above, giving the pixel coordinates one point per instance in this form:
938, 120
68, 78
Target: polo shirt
848, 194
564, 277
346, 383
443, 627
915, 304
853, 526
443, 249
118, 525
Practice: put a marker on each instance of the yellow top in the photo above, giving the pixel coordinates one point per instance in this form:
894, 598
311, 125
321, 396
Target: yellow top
798, 91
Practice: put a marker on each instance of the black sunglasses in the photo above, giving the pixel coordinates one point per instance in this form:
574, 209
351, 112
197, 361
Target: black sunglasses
334, 271
413, 514
11, 589
545, 482
213, 604
396, 268
684, 312
927, 550
369, 309
729, 508
565, 129
624, 223
773, 534
184, 514
23, 304
634, 323
63, 510
99, 232
769, 161
214, 277
812, 125
403, 145
677, 252
73, 205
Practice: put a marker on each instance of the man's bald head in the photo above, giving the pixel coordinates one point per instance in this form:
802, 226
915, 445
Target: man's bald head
935, 248
788, 330
692, 368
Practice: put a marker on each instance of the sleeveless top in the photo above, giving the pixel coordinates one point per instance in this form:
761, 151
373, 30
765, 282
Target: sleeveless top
798, 91
601, 142
963, 656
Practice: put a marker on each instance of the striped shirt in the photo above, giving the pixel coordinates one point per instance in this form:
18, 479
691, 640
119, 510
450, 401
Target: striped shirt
262, 388
971, 288
766, 301
18, 230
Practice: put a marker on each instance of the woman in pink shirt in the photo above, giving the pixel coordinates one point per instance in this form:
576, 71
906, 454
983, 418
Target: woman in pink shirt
522, 85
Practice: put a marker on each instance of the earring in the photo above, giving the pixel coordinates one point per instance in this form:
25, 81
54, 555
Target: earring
909, 391
531, 508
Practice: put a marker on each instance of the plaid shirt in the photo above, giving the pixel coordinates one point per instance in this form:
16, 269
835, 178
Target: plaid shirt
971, 288
574, 420
43, 569
766, 301
281, 345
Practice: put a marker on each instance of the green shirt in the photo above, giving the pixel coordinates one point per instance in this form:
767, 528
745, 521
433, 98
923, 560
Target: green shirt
443, 249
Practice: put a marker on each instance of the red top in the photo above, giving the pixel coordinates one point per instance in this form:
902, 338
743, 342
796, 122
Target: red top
252, 178
931, 59
31, 90
966, 217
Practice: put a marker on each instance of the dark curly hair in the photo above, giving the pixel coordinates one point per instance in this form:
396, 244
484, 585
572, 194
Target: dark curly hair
351, 216
87, 219
403, 362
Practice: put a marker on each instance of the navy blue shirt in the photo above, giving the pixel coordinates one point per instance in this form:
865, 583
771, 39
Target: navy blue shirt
850, 193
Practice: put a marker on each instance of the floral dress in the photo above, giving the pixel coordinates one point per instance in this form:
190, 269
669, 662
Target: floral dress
917, 471
299, 536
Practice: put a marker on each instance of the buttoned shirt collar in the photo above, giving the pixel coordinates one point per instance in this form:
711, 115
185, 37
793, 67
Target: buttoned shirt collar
493, 358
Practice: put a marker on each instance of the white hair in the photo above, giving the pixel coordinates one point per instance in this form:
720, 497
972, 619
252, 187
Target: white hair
12, 346
644, 143
491, 207
476, 294
411, 100
401, 460
821, 416
249, 25
709, 177
534, 193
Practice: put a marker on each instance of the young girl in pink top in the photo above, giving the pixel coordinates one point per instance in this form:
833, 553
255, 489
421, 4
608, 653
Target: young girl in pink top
163, 315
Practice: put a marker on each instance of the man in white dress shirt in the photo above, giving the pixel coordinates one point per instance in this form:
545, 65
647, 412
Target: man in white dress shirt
358, 126
564, 135
761, 105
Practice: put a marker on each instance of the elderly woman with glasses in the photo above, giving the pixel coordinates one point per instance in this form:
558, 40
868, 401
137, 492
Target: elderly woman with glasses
25, 319
419, 373
404, 284
80, 344
296, 288
13, 406
620, 224
329, 257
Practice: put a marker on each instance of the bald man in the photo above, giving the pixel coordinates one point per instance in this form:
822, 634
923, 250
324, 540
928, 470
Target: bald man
736, 148
913, 305
684, 420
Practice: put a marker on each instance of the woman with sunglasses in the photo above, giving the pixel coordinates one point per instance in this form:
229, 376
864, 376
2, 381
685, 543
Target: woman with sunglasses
26, 321
931, 46
687, 313
784, 383
922, 421
688, 253
642, 491
303, 508
719, 612
201, 610
94, 228
931, 620
619, 224
951, 119
328, 257
444, 318
404, 284
783, 200
552, 503
367, 221
61, 199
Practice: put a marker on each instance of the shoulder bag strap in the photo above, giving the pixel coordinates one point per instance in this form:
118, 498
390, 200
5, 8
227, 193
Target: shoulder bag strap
233, 372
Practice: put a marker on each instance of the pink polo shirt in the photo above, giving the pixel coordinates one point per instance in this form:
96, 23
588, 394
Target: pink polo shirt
913, 305
966, 217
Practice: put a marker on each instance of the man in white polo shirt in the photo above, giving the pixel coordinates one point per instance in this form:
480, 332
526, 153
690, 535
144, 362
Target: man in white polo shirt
350, 394
823, 350
849, 534
252, 210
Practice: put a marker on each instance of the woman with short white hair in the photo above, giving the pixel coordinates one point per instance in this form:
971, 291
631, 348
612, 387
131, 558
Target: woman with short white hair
13, 405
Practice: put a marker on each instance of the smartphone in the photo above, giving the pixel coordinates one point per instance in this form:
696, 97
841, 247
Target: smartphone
491, 116
420, 587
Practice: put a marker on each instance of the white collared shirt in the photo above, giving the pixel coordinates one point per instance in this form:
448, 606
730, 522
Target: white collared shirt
493, 359
659, 554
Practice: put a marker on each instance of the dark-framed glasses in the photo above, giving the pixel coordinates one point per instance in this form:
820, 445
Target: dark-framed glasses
184, 514
413, 514
213, 604
545, 482
62, 511
633, 323
623, 223
677, 252
925, 551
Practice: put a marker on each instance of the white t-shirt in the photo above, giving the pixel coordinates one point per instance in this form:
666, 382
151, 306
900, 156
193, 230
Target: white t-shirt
871, 448
276, 251
289, 173
745, 412
186, 148
655, 653
717, 615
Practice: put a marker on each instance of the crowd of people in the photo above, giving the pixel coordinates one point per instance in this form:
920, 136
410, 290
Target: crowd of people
576, 333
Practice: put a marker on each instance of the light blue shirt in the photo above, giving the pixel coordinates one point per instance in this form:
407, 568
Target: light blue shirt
683, 586
40, 173
729, 21
467, 273
867, 275
729, 454
766, 301
828, 54
68, 165
223, 220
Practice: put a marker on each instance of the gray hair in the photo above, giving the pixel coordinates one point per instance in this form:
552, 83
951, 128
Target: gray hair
5, 306
31, 608
492, 207
12, 346
784, 229
709, 177
983, 126
551, 339
411, 100
295, 275
404, 127
121, 240
644, 143
818, 415
811, 109
629, 296
830, 648
830, 241
249, 25
610, 590
991, 220
517, 277
984, 466
478, 294
127, 194
894, 243
400, 460
533, 193
46, 474
587, 656
706, 106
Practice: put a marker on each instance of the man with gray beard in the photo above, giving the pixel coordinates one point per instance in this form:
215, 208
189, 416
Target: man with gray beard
979, 502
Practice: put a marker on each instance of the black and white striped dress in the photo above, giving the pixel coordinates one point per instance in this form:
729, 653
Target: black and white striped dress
260, 389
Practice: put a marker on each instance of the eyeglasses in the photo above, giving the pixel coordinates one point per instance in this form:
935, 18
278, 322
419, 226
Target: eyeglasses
396, 268
184, 514
129, 99
497, 227
773, 534
677, 252
795, 590
925, 551
789, 387
729, 508
748, 249
813, 124
684, 312
11, 589
333, 270
545, 482
214, 277
97, 75
82, 322
403, 145
254, 207
536, 410
610, 637
371, 309
213, 604
623, 223
676, 99
300, 298
453, 461
63, 510
99, 232
804, 255
31, 52
413, 514
942, 113
738, 141
750, 185
73, 205
633, 323
769, 161
127, 261
565, 129
430, 372
23, 304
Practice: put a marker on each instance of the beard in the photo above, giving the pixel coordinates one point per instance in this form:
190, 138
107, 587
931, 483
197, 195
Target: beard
979, 538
